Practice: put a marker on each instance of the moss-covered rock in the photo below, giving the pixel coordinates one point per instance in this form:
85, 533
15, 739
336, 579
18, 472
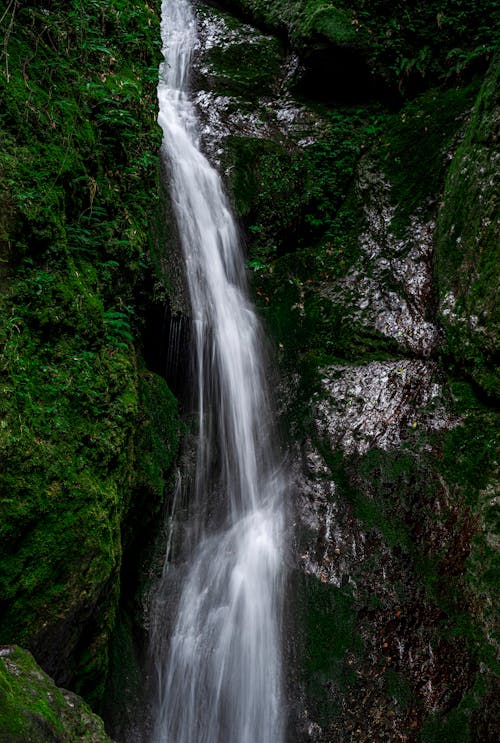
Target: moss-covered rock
303, 19
240, 62
397, 549
406, 47
86, 431
395, 464
33, 709
467, 243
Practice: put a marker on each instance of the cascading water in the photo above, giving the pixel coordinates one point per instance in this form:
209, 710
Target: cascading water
221, 679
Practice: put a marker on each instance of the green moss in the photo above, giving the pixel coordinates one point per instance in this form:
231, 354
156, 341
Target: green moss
446, 542
292, 197
378, 490
328, 620
82, 432
467, 453
469, 720
451, 728
304, 19
271, 187
416, 173
246, 69
33, 709
333, 23
125, 688
409, 47
467, 240
467, 464
303, 220
301, 317
398, 688
157, 434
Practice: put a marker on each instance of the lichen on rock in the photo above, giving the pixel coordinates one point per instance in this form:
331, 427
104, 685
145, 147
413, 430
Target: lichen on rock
379, 404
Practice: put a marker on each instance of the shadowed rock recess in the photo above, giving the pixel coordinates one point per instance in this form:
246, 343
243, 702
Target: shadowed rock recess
359, 144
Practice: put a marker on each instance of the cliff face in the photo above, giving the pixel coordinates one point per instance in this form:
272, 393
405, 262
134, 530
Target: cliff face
370, 221
371, 263
87, 431
467, 252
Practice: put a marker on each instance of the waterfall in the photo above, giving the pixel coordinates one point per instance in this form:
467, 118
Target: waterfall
220, 677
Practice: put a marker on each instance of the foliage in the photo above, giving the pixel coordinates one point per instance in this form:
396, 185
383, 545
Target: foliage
78, 190
467, 244
429, 40
408, 45
290, 198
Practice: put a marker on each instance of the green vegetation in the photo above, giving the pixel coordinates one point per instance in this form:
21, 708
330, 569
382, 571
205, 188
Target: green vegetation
290, 197
429, 40
85, 430
409, 46
328, 622
467, 244
88, 433
33, 708
434, 120
465, 722
246, 69
303, 220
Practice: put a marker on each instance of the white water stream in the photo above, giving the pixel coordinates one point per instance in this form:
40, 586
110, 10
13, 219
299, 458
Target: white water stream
220, 680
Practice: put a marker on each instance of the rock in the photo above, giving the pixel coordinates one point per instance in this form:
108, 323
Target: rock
468, 240
377, 405
243, 85
389, 286
34, 710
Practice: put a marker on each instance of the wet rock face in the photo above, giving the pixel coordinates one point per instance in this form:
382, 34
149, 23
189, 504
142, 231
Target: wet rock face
362, 524
377, 404
391, 453
383, 527
390, 285
243, 80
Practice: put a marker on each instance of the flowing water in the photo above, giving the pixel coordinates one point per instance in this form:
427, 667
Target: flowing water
220, 680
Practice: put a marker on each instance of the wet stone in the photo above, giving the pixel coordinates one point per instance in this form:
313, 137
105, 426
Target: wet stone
390, 285
253, 113
378, 404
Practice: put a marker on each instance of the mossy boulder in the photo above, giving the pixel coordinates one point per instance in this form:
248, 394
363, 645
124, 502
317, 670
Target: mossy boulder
332, 45
239, 61
303, 19
34, 710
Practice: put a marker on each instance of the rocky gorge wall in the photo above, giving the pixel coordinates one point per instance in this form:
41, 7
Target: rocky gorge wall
88, 428
368, 205
371, 220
